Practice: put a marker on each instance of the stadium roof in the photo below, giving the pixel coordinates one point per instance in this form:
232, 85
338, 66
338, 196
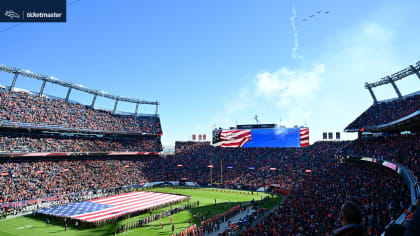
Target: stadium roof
396, 76
410, 70
70, 86
408, 122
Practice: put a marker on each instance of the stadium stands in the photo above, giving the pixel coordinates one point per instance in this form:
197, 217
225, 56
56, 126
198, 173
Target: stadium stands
18, 143
312, 207
386, 111
184, 146
40, 179
21, 111
317, 183
403, 149
248, 166
23, 107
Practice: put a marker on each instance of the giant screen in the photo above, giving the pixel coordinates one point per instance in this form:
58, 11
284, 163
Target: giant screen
276, 137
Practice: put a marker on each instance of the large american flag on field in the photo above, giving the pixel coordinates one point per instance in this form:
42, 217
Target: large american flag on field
304, 137
234, 138
108, 207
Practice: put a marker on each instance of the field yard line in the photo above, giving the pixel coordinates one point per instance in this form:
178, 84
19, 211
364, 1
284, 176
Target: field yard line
17, 226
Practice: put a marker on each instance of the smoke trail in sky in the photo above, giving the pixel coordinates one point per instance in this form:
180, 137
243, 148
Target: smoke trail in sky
296, 46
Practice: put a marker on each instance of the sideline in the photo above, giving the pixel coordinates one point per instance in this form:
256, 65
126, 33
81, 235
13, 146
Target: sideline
225, 225
260, 218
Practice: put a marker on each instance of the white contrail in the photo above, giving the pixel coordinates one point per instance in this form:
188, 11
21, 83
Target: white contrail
292, 19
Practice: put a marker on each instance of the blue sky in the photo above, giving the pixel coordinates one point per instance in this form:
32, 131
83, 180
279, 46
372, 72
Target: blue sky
222, 62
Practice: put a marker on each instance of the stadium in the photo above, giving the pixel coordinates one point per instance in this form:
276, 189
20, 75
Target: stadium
64, 162
68, 166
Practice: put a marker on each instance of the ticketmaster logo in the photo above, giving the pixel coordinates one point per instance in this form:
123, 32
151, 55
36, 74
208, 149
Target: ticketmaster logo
43, 15
33, 11
12, 14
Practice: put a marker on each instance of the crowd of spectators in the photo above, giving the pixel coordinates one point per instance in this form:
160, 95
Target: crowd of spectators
38, 110
31, 144
313, 206
403, 149
317, 183
247, 166
40, 179
189, 145
386, 111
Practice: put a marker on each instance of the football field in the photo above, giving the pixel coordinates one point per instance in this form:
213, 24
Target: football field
225, 199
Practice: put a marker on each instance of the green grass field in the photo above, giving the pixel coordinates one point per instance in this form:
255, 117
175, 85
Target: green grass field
29, 226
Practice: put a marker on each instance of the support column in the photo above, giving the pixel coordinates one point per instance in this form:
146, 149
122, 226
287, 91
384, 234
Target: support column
93, 100
12, 86
68, 94
156, 111
371, 93
395, 87
137, 109
115, 106
415, 71
41, 91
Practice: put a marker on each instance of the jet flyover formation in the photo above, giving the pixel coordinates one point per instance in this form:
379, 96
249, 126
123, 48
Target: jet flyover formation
317, 13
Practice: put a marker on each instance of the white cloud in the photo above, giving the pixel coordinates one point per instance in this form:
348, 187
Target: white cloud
286, 85
282, 94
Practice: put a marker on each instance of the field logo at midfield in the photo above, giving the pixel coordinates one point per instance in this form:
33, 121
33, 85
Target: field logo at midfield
12, 14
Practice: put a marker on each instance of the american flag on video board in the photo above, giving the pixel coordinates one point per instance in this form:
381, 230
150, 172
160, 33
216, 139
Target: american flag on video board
234, 138
304, 137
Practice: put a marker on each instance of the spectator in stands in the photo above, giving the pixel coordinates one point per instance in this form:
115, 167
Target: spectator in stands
413, 225
351, 219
